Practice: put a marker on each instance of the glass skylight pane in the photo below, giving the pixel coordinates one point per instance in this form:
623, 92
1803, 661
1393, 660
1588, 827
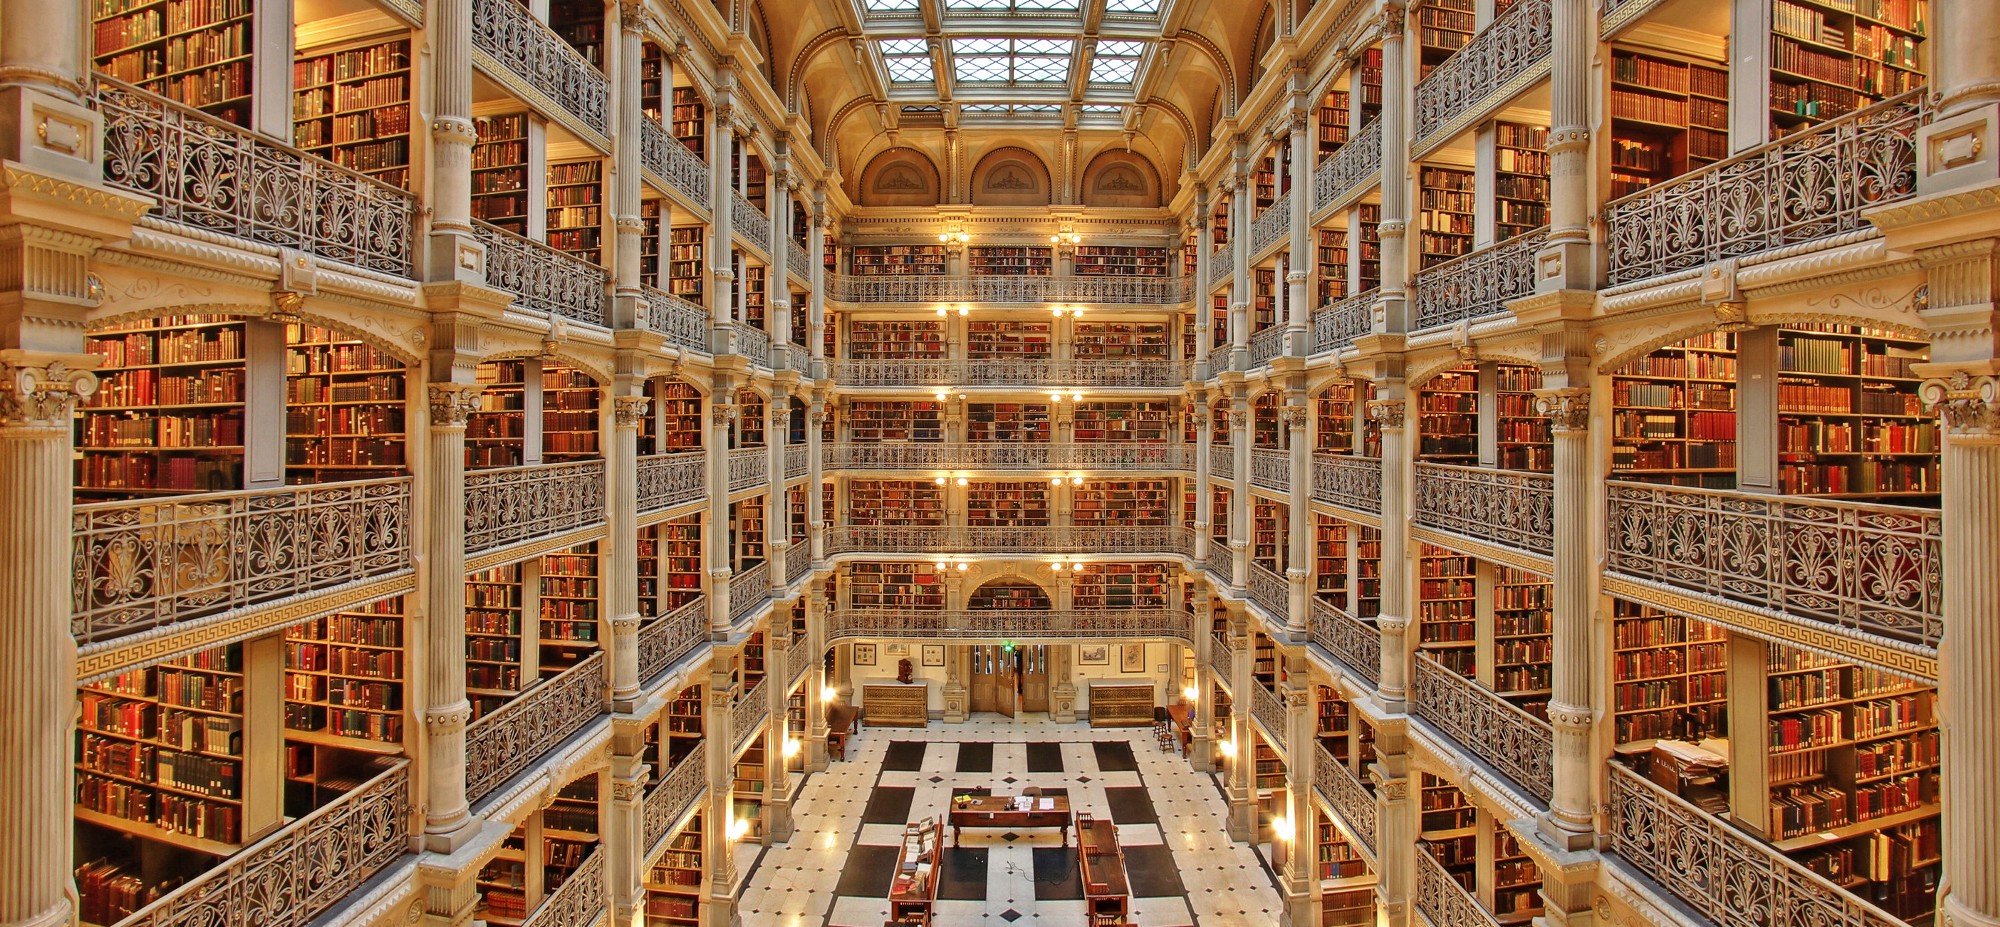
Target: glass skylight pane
979, 46
1045, 4
1115, 48
904, 47
1043, 46
985, 107
910, 70
1102, 108
1036, 108
975, 4
1132, 6
1113, 70
889, 6
1041, 70
979, 68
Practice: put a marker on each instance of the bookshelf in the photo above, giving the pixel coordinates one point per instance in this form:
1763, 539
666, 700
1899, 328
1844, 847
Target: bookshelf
1008, 595
1448, 203
749, 430
752, 663
1347, 884
1448, 418
754, 279
1123, 421
494, 434
1333, 721
500, 171
569, 601
1446, 815
1330, 537
1007, 421
690, 120
894, 502
1121, 341
685, 723
746, 530
1333, 128
1331, 258
1675, 418
351, 106
1828, 59
1443, 27
1116, 261
1520, 179
675, 422
1264, 182
1517, 881
751, 177
576, 209
1263, 661
681, 568
1023, 504
1367, 572
1101, 586
168, 414
344, 675
1668, 116
1523, 650
674, 882
195, 53
1267, 534
994, 261
895, 585
870, 339
1667, 675
881, 260
1264, 431
1263, 298
747, 788
1105, 503
581, 24
1849, 418
494, 653
503, 882
1336, 408
1218, 222
872, 421
1447, 607
650, 243
1009, 340
1371, 86
344, 408
1522, 435
685, 271
570, 400
1269, 772
652, 81
1368, 264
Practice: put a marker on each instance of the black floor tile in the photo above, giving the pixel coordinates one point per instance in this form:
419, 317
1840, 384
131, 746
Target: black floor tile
964, 875
1115, 756
1056, 876
1131, 806
975, 758
1044, 757
904, 756
889, 805
1152, 874
867, 872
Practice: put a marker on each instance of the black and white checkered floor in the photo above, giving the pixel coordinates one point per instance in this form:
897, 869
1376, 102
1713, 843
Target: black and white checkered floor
1171, 821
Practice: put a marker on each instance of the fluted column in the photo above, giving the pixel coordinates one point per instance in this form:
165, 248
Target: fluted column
779, 287
1397, 607
721, 557
621, 528
1396, 832
777, 732
719, 908
625, 834
1301, 880
1204, 336
1298, 515
626, 161
1201, 746
1243, 208
1569, 824
1967, 56
816, 299
817, 684
1204, 487
778, 528
1397, 86
454, 254
447, 823
721, 290
816, 513
1239, 491
1564, 262
1242, 796
1299, 300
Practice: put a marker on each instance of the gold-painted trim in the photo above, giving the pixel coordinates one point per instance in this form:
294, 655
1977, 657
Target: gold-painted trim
1485, 550
534, 547
1839, 643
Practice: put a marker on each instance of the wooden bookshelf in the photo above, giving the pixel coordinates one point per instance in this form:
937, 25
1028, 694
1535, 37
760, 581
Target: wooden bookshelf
755, 279
1520, 179
1346, 882
750, 176
576, 209
1675, 414
1850, 421
495, 652
494, 434
344, 408
1446, 815
1123, 421
1668, 677
685, 269
351, 106
1367, 572
1107, 503
690, 121
1114, 261
685, 724
1517, 881
1371, 86
1267, 534
1448, 418
872, 421
1333, 721
674, 886
681, 570
1443, 27
168, 414
749, 420
1448, 203
881, 260
1008, 595
747, 527
895, 502
1263, 298
675, 422
1523, 648
500, 171
1336, 409
1447, 607
651, 241
1263, 661
747, 788
872, 339
503, 883
1331, 260
1522, 435
344, 674
996, 261
1007, 421
1007, 504
1828, 59
570, 604
195, 53
1009, 340
581, 24
1669, 115
652, 82
1121, 341
161, 752
1334, 131
895, 585
1368, 274
1330, 537
1101, 586
570, 402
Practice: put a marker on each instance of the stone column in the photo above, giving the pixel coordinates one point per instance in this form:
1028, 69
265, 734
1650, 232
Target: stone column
454, 253
1396, 832
1565, 261
1062, 685
626, 160
1240, 440
816, 513
1300, 879
777, 517
1242, 793
718, 846
626, 834
1243, 206
1299, 515
1569, 823
721, 290
1201, 749
778, 780
1397, 606
447, 823
1204, 487
817, 684
721, 558
816, 300
1204, 275
779, 287
621, 528
1299, 297
957, 698
1397, 86
1965, 41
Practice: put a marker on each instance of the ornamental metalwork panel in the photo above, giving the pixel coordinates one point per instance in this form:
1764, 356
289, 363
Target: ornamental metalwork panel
749, 467
294, 875
669, 158
208, 174
1354, 642
1443, 901
1867, 567
1508, 507
1352, 801
1107, 290
667, 480
538, 57
1519, 745
1267, 344
1218, 257
1271, 224
791, 357
797, 463
1271, 469
1271, 591
1222, 657
748, 589
1269, 712
797, 262
1221, 462
1348, 481
1067, 624
1515, 43
922, 456
542, 278
1806, 186
148, 563
1222, 561
512, 738
799, 657
1478, 284
1125, 373
674, 795
1730, 878
1358, 163
751, 708
1336, 326
1124, 455
1160, 539
798, 560
750, 222
671, 636
517, 503
579, 901
754, 344
682, 323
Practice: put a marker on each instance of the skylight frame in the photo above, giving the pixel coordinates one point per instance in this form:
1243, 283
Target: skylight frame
1012, 61
907, 61
1116, 62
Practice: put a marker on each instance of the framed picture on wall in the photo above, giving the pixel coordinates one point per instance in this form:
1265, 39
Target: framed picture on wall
933, 654
864, 654
1093, 655
896, 650
1132, 658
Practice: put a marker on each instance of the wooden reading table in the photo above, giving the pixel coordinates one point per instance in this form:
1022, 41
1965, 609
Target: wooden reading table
1106, 892
841, 722
1182, 718
913, 891
999, 811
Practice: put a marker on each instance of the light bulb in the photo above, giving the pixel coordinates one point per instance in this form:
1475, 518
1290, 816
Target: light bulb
939, 481
739, 828
828, 693
1189, 694
1076, 481
965, 310
963, 566
1055, 397
940, 564
791, 747
1056, 566
944, 237
1228, 747
1055, 481
1076, 397
962, 481
1281, 828
940, 311
1054, 238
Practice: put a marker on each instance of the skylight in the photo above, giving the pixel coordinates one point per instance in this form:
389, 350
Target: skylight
895, 6
1010, 108
908, 60
1005, 6
1132, 6
1103, 108
1115, 62
1017, 61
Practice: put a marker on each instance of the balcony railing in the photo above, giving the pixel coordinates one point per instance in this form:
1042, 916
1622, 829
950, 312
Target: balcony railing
674, 795
754, 344
1141, 291
1519, 745
1443, 901
1271, 591
1486, 70
669, 158
1358, 163
152, 562
682, 323
672, 636
750, 222
1271, 225
748, 589
749, 467
797, 464
1351, 640
291, 877
1348, 481
1268, 344
1728, 877
1081, 539
796, 260
1507, 507
1071, 624
542, 278
667, 480
1219, 261
1222, 561
799, 656
1346, 794
1265, 707
539, 58
580, 901
1336, 326
1873, 568
752, 707
1036, 373
211, 175
1221, 462
791, 357
798, 560
1478, 284
1222, 657
517, 734
517, 503
1808, 185
1271, 469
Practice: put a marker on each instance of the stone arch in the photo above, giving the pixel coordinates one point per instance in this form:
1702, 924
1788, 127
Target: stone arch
1121, 178
1039, 597
591, 369
899, 177
1011, 177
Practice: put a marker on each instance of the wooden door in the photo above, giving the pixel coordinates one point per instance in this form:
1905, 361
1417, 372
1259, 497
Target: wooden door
985, 687
1009, 680
1034, 677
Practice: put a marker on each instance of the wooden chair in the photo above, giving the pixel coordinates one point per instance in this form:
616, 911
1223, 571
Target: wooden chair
1163, 733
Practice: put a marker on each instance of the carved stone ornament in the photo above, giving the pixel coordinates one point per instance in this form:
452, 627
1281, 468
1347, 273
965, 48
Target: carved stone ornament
1387, 413
42, 396
1969, 405
722, 414
453, 403
443, 721
1571, 717
630, 411
1239, 418
821, 416
1731, 317
1567, 409
1461, 341
1294, 416
1395, 789
780, 419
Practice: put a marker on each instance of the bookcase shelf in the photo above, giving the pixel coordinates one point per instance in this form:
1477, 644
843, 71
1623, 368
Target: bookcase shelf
1121, 341
993, 261
1330, 538
1333, 128
1007, 421
748, 788
351, 106
500, 171
194, 53
1849, 418
1113, 261
1443, 27
871, 421
569, 600
161, 754
1523, 650
895, 585
1448, 418
1371, 86
894, 502
1447, 608
168, 414
1368, 275
1368, 572
1520, 179
1517, 882
685, 270
1267, 534
1104, 503
676, 422
570, 401
1668, 116
581, 24
576, 209
754, 279
747, 527
1102, 586
1008, 595
1263, 298
690, 120
674, 886
1269, 769
1668, 677
1009, 340
1522, 435
1123, 421
1675, 418
344, 674
1828, 59
1011, 504
1445, 814
494, 651
880, 260
344, 408
1331, 256
870, 339
1448, 204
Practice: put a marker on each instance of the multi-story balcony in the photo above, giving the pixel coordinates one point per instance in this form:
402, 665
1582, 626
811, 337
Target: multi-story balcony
1269, 714
1478, 284
671, 164
1337, 326
1504, 59
750, 222
1267, 345
670, 800
513, 737
1222, 658
1107, 290
1445, 903
1512, 508
1350, 482
748, 589
1059, 624
667, 480
1271, 225
1351, 640
513, 504
544, 279
1161, 373
682, 323
671, 636
1338, 787
1162, 540
1271, 469
1270, 591
749, 468
531, 60
994, 455
1519, 745
1354, 168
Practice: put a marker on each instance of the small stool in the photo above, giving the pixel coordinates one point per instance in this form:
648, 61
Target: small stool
1163, 733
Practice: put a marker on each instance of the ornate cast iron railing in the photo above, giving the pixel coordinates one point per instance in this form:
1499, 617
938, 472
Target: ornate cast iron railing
542, 278
1122, 539
1519, 745
1348, 481
1356, 164
1222, 561
667, 480
153, 562
674, 795
1872, 568
669, 158
218, 177
1267, 344
1806, 186
291, 877
754, 344
672, 636
751, 708
500, 745
1443, 901
797, 464
539, 58
798, 657
791, 357
1140, 291
1354, 642
516, 503
1218, 257
1507, 507
1221, 462
1271, 224
1222, 657
683, 323
1271, 469
1511, 47
1337, 325
1037, 373
1071, 624
1478, 284
749, 467
1271, 591
750, 222
1265, 707
579, 901
994, 455
748, 589
1728, 877
798, 560
796, 260
1345, 793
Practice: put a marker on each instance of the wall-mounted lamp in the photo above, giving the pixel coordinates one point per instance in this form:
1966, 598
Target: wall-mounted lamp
946, 310
1228, 748
1075, 312
829, 694
791, 747
1065, 242
950, 563
1190, 695
953, 241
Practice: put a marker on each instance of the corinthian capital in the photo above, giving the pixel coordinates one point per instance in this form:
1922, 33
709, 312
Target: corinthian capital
1387, 413
1969, 405
39, 393
453, 403
630, 411
1568, 409
1294, 416
722, 414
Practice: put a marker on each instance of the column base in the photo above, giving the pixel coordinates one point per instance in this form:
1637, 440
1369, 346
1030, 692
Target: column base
1300, 909
1957, 914
720, 911
777, 820
452, 838
1201, 754
57, 915
956, 698
1242, 820
816, 752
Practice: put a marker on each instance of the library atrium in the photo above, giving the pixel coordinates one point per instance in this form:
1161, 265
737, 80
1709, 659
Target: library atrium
696, 463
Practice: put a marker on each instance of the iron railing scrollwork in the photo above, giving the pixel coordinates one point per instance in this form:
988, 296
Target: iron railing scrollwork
1337, 325
682, 323
1218, 257
1519, 745
1105, 290
1271, 224
542, 278
1478, 284
749, 467
1809, 185
667, 480
579, 901
1037, 373
1337, 784
799, 657
749, 589
1270, 712
675, 793
797, 464
147, 563
1268, 344
750, 222
997, 455
540, 58
1221, 561
671, 636
1356, 163
515, 735
1221, 462
1863, 566
1271, 591
1354, 642
1348, 481
1509, 507
208, 174
1222, 657
754, 344
791, 357
1271, 469
1443, 901
1515, 43
798, 560
517, 503
1122, 539
796, 260
670, 158
967, 624
752, 707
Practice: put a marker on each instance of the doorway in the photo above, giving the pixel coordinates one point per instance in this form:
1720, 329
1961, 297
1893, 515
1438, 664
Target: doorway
1034, 677
996, 680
